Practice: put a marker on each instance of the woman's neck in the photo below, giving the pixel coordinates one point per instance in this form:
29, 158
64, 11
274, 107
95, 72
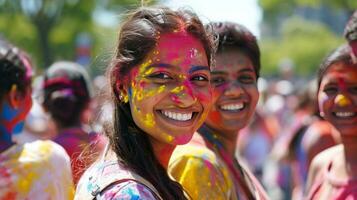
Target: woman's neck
228, 143
162, 151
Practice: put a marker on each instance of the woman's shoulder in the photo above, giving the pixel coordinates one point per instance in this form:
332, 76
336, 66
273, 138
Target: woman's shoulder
43, 151
109, 178
201, 171
320, 162
324, 158
196, 149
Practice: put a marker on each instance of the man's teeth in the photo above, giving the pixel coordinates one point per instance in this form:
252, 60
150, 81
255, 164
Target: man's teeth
177, 116
345, 114
232, 106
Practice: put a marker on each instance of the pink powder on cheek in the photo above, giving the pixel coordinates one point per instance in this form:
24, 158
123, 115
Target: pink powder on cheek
142, 84
175, 98
188, 87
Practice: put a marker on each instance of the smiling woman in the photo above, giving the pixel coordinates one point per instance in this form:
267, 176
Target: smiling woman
207, 167
160, 89
333, 172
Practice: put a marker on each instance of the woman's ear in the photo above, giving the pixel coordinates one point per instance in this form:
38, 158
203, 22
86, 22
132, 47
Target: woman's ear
14, 97
122, 91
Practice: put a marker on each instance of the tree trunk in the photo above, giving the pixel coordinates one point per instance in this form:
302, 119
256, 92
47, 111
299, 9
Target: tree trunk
43, 32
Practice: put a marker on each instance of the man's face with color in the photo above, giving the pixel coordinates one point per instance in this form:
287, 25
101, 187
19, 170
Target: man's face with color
169, 93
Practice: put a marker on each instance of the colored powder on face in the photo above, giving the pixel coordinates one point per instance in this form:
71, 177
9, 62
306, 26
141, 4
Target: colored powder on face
175, 98
177, 90
153, 92
170, 138
149, 120
342, 100
342, 84
183, 138
187, 84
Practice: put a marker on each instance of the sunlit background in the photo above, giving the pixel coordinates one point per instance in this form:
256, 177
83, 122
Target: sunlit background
294, 34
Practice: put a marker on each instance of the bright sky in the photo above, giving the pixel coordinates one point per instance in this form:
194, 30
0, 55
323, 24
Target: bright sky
245, 12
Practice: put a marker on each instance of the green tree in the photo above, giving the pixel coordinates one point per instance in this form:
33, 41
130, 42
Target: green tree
306, 43
48, 28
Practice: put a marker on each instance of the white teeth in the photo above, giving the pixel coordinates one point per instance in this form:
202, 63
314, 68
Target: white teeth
345, 114
177, 116
233, 107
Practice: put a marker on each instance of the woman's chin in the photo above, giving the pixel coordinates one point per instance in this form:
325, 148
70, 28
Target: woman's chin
182, 139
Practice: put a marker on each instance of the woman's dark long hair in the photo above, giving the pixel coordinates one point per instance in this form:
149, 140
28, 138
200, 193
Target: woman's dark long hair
137, 37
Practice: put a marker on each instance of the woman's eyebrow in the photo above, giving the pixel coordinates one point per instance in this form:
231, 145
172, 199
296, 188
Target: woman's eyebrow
247, 69
219, 72
197, 68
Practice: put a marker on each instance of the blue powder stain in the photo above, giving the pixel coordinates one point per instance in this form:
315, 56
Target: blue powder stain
5, 136
130, 93
18, 128
133, 194
8, 113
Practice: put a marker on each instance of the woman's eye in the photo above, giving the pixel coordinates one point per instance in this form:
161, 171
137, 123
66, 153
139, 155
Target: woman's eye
218, 80
160, 76
200, 78
330, 90
353, 90
246, 79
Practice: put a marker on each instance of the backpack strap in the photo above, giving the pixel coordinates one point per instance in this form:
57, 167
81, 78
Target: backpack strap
111, 173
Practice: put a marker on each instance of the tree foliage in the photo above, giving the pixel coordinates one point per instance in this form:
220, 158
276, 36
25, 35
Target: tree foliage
47, 29
306, 43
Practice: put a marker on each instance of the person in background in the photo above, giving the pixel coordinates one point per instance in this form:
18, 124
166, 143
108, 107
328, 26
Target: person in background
66, 97
161, 92
33, 170
207, 167
333, 172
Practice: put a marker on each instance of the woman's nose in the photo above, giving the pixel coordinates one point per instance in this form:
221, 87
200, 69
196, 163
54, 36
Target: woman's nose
342, 100
233, 90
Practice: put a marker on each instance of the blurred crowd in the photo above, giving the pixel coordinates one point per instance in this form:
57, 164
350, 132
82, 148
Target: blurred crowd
54, 126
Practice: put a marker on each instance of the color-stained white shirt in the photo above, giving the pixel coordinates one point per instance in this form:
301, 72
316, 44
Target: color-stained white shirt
37, 170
